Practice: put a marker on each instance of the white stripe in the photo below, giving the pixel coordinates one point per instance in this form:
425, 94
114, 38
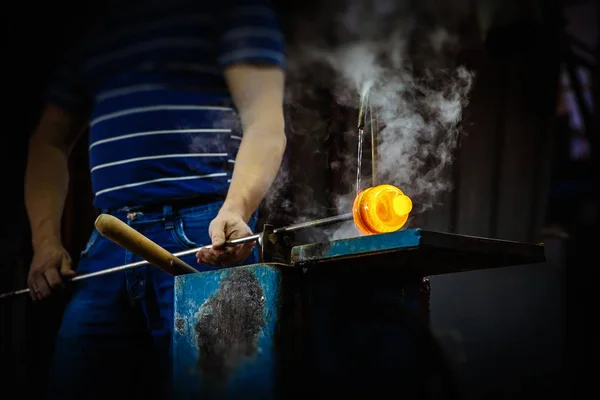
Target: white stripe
127, 90
181, 178
245, 32
247, 53
164, 107
234, 137
231, 161
130, 160
228, 180
149, 26
147, 46
148, 133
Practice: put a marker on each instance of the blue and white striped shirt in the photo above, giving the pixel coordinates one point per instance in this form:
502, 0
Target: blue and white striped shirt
151, 74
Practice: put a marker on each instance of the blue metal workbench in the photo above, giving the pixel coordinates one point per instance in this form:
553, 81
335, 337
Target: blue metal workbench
348, 317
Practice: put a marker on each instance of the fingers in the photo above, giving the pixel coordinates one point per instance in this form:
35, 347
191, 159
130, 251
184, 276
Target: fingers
39, 288
217, 257
225, 256
226, 226
244, 252
43, 281
32, 289
208, 257
217, 233
53, 278
65, 267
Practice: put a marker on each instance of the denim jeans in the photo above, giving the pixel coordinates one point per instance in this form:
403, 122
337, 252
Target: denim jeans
115, 336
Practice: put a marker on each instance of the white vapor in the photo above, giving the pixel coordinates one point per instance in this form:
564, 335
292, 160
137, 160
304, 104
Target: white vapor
384, 49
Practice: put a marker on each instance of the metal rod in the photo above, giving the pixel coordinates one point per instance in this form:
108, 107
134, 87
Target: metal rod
362, 118
359, 153
246, 239
374, 144
318, 222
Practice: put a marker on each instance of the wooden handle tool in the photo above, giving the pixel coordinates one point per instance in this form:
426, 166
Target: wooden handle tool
125, 236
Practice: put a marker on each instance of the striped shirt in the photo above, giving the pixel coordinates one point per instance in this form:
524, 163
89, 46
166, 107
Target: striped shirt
150, 73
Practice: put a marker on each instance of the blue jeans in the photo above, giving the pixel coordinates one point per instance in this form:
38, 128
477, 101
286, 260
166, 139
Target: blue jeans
115, 336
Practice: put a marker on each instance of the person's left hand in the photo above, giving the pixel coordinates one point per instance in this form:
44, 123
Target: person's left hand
227, 225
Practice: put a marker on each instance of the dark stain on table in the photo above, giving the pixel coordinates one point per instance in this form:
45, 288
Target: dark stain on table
229, 326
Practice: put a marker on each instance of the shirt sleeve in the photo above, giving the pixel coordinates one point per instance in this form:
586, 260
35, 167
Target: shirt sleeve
250, 33
67, 89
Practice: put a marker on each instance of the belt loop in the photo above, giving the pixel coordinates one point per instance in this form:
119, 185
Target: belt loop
168, 216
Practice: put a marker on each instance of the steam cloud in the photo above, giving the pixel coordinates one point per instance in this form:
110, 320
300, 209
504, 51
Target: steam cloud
400, 53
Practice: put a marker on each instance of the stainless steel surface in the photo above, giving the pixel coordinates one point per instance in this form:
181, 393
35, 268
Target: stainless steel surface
251, 238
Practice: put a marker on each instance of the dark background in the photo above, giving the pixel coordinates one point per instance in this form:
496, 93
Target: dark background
510, 333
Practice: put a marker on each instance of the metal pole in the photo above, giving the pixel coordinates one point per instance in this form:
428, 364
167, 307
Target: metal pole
360, 130
374, 144
246, 239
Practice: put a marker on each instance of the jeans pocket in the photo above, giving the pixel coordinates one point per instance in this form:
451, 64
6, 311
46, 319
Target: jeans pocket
191, 231
91, 243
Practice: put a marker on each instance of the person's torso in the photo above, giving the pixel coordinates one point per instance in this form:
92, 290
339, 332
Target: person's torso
162, 124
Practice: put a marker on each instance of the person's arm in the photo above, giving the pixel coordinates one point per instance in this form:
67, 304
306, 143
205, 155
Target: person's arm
258, 95
47, 175
47, 179
252, 58
46, 186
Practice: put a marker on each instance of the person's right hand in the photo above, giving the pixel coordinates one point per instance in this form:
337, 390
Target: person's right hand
51, 262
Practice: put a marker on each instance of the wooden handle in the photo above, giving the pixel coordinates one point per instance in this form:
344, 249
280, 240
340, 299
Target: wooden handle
125, 236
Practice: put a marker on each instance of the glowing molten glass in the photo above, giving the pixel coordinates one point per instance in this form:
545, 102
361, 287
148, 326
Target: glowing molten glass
381, 209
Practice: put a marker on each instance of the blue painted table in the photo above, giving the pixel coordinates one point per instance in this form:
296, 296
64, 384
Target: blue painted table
344, 317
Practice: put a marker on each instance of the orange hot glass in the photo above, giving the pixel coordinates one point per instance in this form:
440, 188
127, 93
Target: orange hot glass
381, 209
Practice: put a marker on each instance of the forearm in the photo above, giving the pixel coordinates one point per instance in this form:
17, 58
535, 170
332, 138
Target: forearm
258, 95
47, 172
46, 186
256, 166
